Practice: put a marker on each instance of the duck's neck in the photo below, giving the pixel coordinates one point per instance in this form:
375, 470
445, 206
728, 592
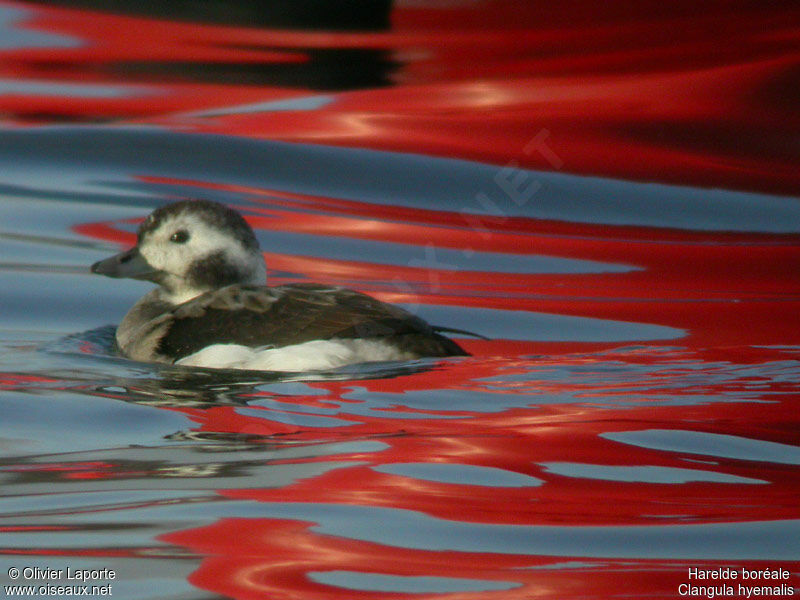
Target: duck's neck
135, 324
175, 298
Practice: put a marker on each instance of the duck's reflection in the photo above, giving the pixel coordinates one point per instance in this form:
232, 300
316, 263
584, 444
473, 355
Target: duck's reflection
238, 433
191, 387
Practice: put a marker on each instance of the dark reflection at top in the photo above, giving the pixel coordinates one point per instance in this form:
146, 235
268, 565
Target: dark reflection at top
341, 15
322, 69
325, 69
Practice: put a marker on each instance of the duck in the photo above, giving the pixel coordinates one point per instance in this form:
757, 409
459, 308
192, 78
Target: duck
212, 306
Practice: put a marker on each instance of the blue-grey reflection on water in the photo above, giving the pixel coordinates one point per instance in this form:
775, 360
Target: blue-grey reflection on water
766, 540
13, 36
643, 474
102, 163
76, 419
711, 444
529, 325
373, 582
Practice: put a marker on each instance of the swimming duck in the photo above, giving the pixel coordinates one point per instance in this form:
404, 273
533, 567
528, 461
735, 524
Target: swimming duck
212, 307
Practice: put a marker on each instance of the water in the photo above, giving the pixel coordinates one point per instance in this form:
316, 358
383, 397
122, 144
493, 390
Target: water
631, 254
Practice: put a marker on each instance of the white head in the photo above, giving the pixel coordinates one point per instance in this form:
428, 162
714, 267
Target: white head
189, 248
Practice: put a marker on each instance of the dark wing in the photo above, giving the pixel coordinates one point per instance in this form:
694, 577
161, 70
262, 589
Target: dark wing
292, 314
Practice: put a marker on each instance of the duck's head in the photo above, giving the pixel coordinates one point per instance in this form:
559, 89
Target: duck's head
188, 248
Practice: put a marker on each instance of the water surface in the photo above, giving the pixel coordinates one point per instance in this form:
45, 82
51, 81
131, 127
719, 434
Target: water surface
609, 201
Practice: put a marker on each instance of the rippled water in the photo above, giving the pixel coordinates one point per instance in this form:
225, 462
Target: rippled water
615, 207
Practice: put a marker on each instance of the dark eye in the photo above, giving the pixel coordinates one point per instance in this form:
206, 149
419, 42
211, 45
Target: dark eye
180, 237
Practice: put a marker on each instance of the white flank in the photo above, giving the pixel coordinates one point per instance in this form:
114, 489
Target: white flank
308, 356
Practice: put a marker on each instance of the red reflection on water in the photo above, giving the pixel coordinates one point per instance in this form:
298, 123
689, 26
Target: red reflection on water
252, 558
279, 555
644, 92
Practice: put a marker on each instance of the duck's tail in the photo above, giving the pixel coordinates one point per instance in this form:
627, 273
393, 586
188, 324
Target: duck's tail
439, 329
